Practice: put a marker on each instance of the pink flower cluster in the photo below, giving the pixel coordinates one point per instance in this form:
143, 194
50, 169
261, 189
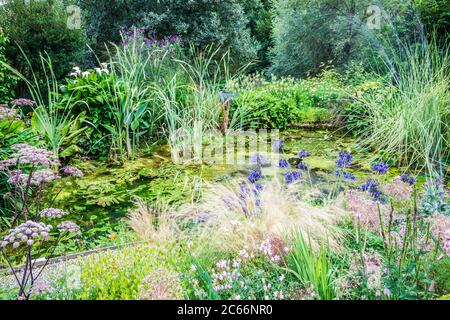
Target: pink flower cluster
38, 178
27, 232
364, 212
8, 113
273, 248
72, 171
441, 230
22, 102
27, 154
70, 227
398, 189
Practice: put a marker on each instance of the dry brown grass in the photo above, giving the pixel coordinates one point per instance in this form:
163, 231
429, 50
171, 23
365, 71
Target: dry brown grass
232, 221
154, 223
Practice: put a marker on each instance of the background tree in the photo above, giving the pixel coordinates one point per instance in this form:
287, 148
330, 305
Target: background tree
40, 26
203, 22
310, 33
259, 14
7, 79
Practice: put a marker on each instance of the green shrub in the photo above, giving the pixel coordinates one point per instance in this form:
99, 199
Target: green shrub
38, 27
440, 271
288, 102
94, 91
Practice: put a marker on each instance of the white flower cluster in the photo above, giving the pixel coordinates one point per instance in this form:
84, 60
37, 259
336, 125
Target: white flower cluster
76, 71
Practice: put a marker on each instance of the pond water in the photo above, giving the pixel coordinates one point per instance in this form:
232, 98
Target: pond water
100, 201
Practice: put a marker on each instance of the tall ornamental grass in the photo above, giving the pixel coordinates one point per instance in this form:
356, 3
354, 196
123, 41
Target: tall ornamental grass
411, 122
191, 103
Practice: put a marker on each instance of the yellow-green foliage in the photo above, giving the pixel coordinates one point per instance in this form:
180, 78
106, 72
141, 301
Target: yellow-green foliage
118, 275
288, 102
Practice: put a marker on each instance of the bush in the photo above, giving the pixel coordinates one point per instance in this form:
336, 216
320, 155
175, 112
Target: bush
435, 17
38, 27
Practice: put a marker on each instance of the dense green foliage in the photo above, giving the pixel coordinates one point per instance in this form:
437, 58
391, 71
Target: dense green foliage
283, 103
435, 15
41, 26
202, 22
7, 79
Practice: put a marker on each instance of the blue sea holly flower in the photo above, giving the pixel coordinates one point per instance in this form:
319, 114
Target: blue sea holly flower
292, 176
344, 160
258, 159
380, 167
283, 164
408, 179
255, 175
303, 154
302, 166
277, 146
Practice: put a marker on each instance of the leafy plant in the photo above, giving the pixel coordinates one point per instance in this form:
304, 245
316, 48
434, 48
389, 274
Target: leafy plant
54, 121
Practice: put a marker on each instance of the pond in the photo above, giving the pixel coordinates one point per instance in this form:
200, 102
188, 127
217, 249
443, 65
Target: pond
100, 201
